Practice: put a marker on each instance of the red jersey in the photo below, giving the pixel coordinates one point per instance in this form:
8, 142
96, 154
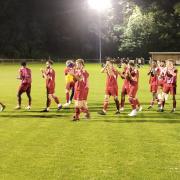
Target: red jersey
126, 81
171, 77
134, 77
25, 75
133, 82
83, 83
50, 81
162, 73
111, 80
154, 72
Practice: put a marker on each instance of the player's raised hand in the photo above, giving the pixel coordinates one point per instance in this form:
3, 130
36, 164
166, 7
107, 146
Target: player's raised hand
42, 70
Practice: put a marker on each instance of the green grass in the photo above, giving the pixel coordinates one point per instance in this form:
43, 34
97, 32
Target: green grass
34, 145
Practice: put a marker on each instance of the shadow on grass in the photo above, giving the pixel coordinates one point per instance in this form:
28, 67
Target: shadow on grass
173, 121
33, 116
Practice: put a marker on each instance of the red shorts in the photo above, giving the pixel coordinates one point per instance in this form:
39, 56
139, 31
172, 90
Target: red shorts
132, 91
153, 88
70, 85
161, 83
169, 88
50, 89
113, 91
80, 95
125, 89
24, 88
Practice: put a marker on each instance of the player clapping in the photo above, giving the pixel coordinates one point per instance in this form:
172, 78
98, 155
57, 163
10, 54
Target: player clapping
170, 83
81, 90
25, 77
153, 81
111, 86
133, 76
49, 75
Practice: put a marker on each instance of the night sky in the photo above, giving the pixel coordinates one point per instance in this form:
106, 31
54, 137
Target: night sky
58, 28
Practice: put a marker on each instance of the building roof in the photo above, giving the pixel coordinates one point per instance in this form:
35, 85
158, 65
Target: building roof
165, 53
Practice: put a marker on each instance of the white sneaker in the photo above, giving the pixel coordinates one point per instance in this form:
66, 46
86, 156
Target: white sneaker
28, 107
140, 108
17, 107
122, 109
66, 105
69, 102
133, 113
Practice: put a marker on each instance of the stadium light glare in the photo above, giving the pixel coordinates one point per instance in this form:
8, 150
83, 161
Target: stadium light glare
99, 5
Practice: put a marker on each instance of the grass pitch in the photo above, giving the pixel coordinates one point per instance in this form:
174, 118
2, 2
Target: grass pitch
36, 145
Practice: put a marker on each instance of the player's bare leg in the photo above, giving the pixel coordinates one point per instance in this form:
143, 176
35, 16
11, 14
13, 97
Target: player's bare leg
117, 104
19, 100
67, 99
105, 106
72, 95
55, 98
48, 103
162, 102
133, 104
174, 104
122, 101
138, 105
77, 111
28, 93
154, 98
85, 109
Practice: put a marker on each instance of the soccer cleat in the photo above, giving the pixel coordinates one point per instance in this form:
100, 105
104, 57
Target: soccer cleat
87, 116
17, 108
150, 107
66, 105
28, 108
117, 112
59, 107
133, 113
101, 112
140, 108
45, 110
160, 110
122, 109
75, 118
173, 110
2, 108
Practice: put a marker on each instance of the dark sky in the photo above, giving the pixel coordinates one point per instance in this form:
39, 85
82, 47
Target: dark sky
59, 28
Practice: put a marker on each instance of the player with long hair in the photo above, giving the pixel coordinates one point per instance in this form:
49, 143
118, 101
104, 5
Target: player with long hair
81, 90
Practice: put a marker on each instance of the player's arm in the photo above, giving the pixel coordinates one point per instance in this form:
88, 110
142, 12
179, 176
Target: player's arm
104, 69
78, 78
43, 73
123, 75
150, 71
20, 75
134, 77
